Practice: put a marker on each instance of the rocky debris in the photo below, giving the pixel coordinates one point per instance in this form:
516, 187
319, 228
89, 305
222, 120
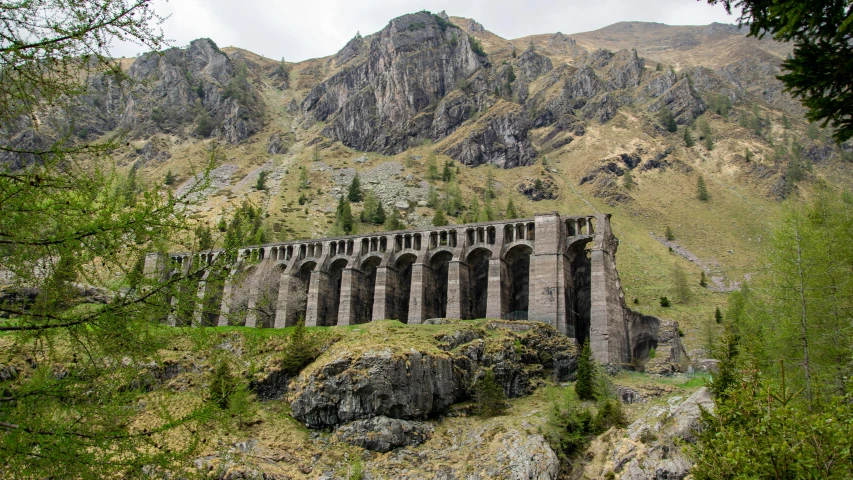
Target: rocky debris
275, 144
670, 356
220, 177
498, 138
8, 372
385, 180
404, 383
374, 103
383, 434
152, 151
491, 450
652, 445
539, 189
628, 395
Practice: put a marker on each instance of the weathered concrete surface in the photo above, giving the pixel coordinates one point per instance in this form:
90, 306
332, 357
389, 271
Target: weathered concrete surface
556, 269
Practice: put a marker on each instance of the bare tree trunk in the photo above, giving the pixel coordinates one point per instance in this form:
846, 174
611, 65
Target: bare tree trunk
803, 313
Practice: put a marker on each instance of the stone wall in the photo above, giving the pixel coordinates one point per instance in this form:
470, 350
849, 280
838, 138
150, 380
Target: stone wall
556, 269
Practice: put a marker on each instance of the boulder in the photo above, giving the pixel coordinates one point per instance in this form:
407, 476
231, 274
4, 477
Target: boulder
383, 434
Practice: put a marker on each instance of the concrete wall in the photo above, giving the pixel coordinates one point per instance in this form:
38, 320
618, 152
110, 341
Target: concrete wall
461, 271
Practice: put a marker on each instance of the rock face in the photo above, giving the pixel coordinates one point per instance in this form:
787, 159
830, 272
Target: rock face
408, 384
383, 434
499, 138
197, 88
652, 447
388, 79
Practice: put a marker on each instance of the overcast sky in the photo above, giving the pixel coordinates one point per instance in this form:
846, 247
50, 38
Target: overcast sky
298, 30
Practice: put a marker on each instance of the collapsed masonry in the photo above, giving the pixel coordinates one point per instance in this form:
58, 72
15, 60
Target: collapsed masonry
556, 269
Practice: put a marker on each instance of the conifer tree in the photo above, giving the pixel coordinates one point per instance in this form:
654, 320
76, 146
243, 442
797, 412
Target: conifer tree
510, 210
343, 217
718, 315
688, 138
432, 168
702, 189
490, 396
170, 178
667, 120
354, 193
584, 385
393, 222
748, 156
703, 282
439, 220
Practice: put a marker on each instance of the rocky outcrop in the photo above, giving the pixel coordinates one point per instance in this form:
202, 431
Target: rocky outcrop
410, 65
196, 90
410, 384
383, 434
531, 64
653, 445
276, 145
682, 100
647, 333
499, 137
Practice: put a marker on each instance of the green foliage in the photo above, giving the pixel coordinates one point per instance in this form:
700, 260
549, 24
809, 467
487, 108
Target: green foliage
130, 189
670, 235
819, 71
302, 349
510, 75
447, 173
511, 212
170, 178
476, 46
490, 397
664, 302
354, 193
720, 104
303, 177
432, 168
748, 156
586, 374
344, 222
222, 384
261, 183
703, 282
667, 120
786, 122
688, 139
204, 123
628, 180
245, 227
439, 220
442, 23
393, 222
702, 189
373, 211
795, 170
681, 284
432, 197
204, 237
718, 316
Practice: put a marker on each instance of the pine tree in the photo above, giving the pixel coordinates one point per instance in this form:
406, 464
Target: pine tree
344, 221
670, 235
439, 220
354, 193
447, 172
584, 385
491, 400
379, 217
702, 189
748, 156
432, 168
667, 120
490, 181
718, 315
682, 286
510, 210
703, 282
170, 178
222, 384
393, 222
261, 183
303, 178
688, 139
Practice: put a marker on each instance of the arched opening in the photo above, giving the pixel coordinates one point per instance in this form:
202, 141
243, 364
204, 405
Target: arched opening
478, 267
214, 283
364, 311
303, 279
333, 300
437, 301
518, 267
404, 281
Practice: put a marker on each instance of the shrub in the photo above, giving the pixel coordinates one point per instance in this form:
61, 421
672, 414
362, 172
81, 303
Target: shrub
664, 302
261, 184
222, 385
476, 46
301, 350
609, 414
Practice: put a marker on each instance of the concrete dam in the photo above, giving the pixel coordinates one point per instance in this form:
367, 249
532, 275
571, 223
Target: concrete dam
552, 268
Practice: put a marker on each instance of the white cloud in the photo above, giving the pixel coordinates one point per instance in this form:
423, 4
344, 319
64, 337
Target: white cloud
298, 30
